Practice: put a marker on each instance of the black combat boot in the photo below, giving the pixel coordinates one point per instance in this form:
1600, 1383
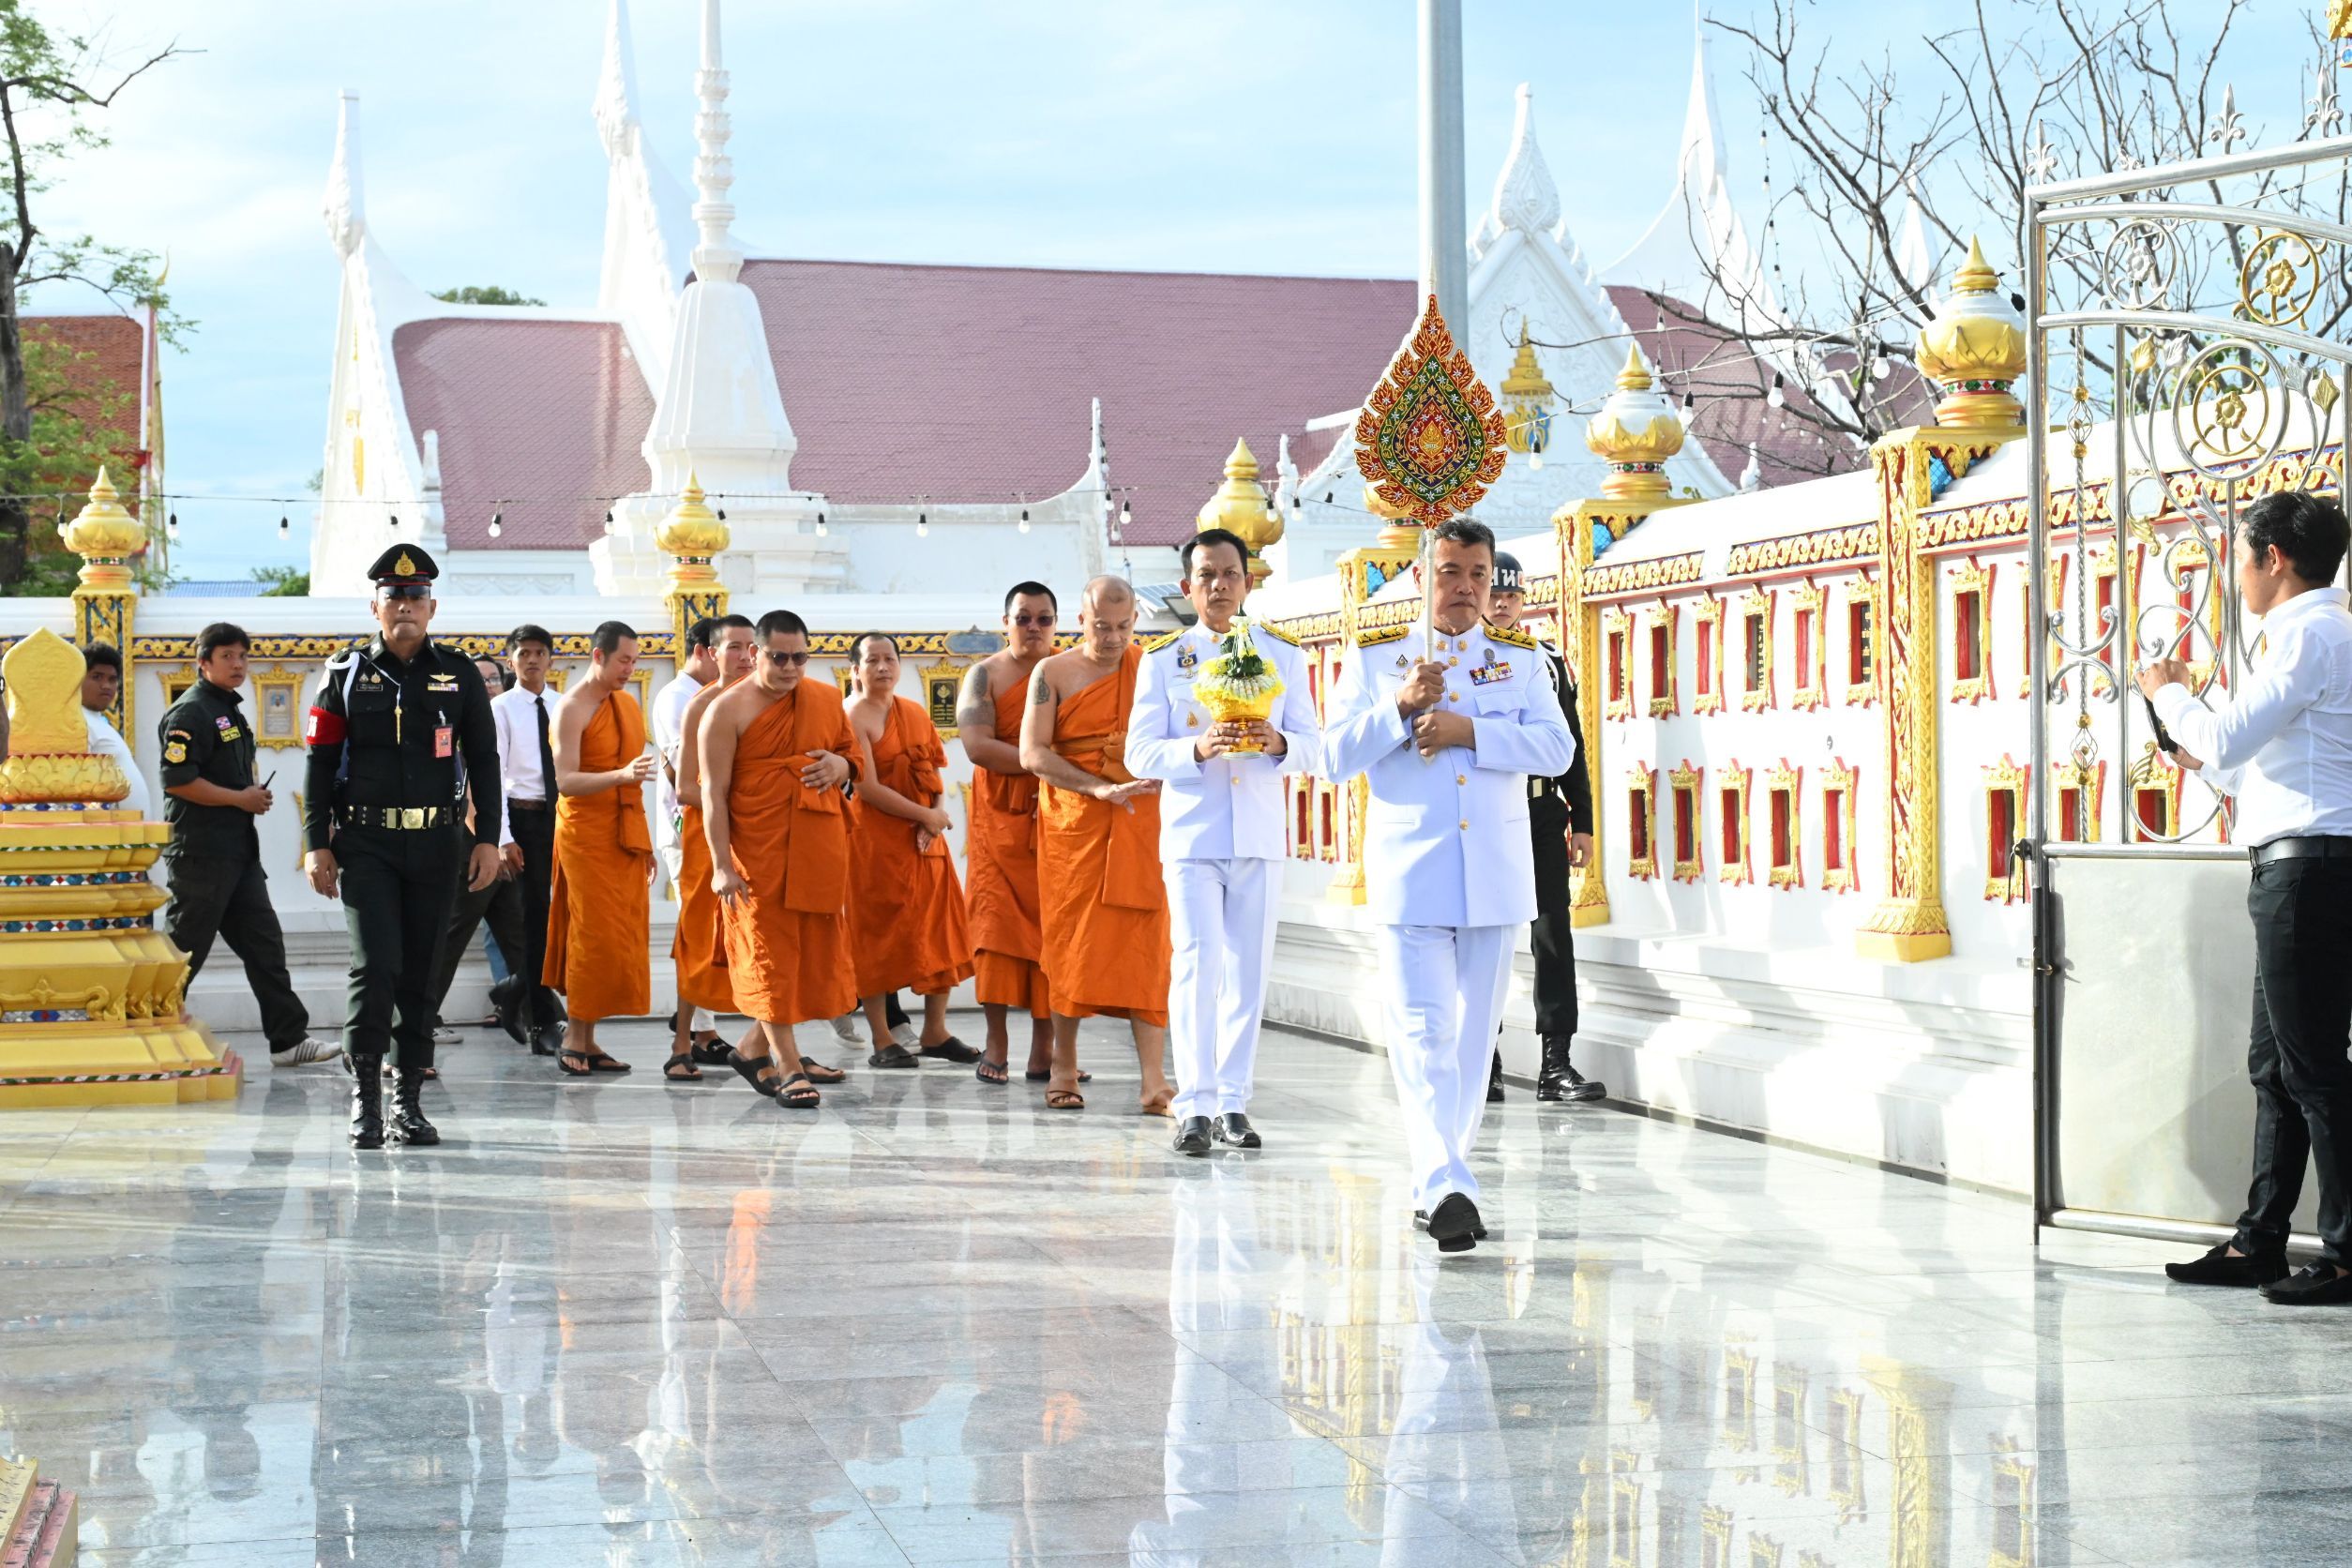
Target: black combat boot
1559, 1081
1494, 1081
408, 1112
367, 1102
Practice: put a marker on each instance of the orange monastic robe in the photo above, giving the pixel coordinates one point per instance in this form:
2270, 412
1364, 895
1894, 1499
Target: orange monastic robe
788, 937
1106, 906
907, 916
598, 922
702, 966
1000, 871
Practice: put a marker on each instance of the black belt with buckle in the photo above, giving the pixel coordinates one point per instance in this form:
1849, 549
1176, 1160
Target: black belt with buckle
399, 817
1538, 786
2326, 848
526, 804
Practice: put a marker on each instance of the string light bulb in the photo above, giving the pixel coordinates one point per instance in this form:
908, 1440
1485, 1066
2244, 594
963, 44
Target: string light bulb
1126, 516
284, 528
921, 525
172, 524
1778, 397
396, 523
1024, 520
607, 519
498, 524
820, 523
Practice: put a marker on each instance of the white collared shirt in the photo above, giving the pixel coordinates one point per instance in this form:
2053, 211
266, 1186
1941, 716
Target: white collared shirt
107, 741
2282, 746
520, 774
668, 723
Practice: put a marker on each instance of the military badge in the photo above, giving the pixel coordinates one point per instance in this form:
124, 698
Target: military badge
1188, 657
1489, 674
175, 749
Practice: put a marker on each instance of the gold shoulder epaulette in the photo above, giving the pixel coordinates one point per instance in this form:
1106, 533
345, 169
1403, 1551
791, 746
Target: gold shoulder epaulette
1384, 634
1159, 642
1511, 635
1276, 632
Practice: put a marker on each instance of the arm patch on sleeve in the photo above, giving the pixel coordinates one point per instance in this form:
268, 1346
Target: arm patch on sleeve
323, 727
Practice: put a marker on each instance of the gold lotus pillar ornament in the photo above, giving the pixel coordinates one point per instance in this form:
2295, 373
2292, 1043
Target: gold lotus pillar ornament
1428, 443
89, 990
692, 535
106, 536
1975, 349
1635, 434
1240, 507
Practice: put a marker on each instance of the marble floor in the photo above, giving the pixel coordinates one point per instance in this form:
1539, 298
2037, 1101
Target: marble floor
625, 1322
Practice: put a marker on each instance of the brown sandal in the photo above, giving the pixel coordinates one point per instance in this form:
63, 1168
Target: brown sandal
1064, 1099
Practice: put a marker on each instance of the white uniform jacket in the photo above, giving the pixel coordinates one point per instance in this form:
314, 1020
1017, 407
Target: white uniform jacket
1446, 839
1228, 808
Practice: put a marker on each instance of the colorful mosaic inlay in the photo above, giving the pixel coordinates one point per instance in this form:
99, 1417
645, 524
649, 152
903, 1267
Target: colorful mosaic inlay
1430, 439
46, 1015
94, 922
72, 879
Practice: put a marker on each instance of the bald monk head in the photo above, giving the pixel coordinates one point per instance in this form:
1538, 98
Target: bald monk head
1107, 612
782, 639
732, 649
874, 660
612, 655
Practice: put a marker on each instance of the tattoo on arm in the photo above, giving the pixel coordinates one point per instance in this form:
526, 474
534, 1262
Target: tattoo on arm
1041, 690
974, 712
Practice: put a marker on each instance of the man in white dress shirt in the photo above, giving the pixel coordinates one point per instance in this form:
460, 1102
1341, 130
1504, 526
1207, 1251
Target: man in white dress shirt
667, 724
1447, 732
1221, 839
2282, 747
525, 718
102, 683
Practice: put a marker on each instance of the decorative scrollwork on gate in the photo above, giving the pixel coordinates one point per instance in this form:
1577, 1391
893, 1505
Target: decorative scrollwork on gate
2280, 281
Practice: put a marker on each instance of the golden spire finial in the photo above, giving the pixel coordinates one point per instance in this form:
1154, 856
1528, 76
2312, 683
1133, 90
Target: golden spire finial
1976, 275
694, 534
1240, 506
1526, 380
105, 536
1636, 376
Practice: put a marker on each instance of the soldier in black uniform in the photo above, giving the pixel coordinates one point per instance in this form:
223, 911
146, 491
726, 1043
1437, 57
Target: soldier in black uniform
395, 720
212, 801
1559, 818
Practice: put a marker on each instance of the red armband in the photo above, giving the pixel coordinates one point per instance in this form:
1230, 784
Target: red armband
323, 727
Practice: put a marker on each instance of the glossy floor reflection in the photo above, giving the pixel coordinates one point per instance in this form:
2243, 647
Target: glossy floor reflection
625, 1323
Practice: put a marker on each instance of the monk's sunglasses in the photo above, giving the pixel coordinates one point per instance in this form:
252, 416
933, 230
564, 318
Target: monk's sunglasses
784, 660
1027, 621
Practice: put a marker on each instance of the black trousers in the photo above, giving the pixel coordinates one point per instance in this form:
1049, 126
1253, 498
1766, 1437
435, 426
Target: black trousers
216, 896
2296, 1054
398, 887
534, 834
1550, 936
501, 904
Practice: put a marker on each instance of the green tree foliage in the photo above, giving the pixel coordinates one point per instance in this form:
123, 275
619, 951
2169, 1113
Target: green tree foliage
51, 85
285, 582
75, 428
484, 294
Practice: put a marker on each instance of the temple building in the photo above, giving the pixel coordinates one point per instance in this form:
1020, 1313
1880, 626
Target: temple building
536, 449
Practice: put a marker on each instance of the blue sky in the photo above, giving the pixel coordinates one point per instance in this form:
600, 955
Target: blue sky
1263, 136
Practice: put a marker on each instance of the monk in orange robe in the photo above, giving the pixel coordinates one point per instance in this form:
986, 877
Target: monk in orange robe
598, 918
1105, 910
1001, 838
777, 749
907, 917
694, 948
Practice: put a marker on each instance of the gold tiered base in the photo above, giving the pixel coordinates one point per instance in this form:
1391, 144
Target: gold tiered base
90, 992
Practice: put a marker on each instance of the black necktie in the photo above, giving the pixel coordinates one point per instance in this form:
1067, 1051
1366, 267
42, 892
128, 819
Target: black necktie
547, 752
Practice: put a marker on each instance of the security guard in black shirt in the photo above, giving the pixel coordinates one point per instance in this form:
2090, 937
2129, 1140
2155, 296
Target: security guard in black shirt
395, 718
211, 802
1560, 819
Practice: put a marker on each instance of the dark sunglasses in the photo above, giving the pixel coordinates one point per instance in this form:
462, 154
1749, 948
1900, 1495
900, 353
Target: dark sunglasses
1030, 621
786, 661
406, 590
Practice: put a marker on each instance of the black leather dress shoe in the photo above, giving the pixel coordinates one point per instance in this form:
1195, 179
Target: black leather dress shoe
1421, 1222
2218, 1267
1234, 1128
1454, 1224
2313, 1285
1192, 1136
546, 1040
894, 1056
506, 1002
1494, 1081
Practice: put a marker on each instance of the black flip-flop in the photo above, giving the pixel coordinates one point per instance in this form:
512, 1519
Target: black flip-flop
990, 1072
681, 1058
950, 1050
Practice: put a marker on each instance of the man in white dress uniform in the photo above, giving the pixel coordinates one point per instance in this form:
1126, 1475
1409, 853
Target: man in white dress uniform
1221, 839
1447, 730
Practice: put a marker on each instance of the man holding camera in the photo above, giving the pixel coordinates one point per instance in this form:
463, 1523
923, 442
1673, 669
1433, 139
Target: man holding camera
2282, 748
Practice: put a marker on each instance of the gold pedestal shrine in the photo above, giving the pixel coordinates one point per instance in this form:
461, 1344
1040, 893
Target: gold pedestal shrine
90, 991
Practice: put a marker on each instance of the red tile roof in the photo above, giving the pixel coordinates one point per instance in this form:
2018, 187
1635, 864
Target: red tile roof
100, 353
552, 412
969, 383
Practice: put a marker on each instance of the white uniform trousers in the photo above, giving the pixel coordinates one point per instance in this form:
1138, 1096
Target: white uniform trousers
1446, 986
674, 867
1221, 925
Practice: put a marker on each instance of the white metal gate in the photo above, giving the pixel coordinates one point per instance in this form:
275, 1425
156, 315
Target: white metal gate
2187, 326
